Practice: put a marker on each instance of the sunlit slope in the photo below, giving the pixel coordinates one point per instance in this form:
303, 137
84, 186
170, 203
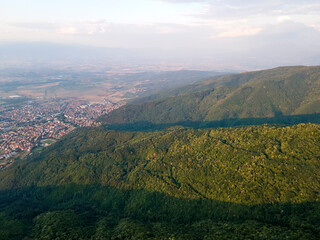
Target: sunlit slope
284, 91
251, 165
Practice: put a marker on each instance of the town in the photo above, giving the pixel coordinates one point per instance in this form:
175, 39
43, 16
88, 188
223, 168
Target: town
39, 122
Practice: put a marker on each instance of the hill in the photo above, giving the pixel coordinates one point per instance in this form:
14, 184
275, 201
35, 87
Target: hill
252, 182
275, 95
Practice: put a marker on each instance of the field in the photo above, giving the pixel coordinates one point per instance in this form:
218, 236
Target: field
91, 86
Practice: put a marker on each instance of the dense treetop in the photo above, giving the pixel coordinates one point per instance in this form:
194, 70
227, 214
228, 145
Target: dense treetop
252, 165
257, 182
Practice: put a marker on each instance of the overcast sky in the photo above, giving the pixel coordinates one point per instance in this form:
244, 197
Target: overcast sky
225, 29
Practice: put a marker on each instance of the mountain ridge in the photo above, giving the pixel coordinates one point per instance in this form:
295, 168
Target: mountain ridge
268, 93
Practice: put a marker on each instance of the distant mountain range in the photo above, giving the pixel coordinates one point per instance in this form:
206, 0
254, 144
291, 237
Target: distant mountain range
41, 55
46, 54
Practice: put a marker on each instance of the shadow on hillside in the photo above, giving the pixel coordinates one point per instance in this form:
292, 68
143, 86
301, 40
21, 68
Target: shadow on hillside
93, 203
231, 122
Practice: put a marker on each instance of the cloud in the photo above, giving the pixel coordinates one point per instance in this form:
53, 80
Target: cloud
283, 18
288, 41
71, 28
274, 31
35, 25
237, 32
166, 30
227, 42
232, 9
68, 30
316, 26
182, 1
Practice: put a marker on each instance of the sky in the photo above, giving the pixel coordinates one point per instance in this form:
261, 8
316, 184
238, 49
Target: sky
219, 30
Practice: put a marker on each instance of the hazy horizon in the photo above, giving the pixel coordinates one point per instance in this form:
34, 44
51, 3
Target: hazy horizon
211, 35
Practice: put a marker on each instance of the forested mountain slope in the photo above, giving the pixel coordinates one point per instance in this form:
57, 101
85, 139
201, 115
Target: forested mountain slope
275, 93
245, 165
257, 182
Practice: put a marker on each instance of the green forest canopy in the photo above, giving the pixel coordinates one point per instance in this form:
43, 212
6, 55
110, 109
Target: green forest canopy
257, 182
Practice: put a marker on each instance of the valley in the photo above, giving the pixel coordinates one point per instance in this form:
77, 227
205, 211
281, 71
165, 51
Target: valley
160, 120
47, 104
227, 157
